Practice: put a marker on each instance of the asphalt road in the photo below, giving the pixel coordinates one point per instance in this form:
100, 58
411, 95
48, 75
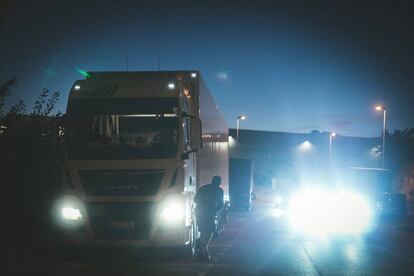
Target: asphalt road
255, 243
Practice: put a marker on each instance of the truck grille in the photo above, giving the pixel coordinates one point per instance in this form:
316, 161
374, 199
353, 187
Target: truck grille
121, 182
121, 221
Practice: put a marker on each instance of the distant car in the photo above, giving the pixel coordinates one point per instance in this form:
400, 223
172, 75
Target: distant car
392, 205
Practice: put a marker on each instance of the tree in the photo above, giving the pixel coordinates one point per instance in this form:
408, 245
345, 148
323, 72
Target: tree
400, 148
4, 92
30, 161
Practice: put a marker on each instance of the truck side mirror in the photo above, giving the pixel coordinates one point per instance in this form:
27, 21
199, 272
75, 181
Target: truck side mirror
196, 134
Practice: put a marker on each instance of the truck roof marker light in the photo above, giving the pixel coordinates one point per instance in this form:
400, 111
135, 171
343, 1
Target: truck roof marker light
77, 87
171, 86
194, 75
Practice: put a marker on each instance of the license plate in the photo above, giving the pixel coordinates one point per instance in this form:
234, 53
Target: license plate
121, 224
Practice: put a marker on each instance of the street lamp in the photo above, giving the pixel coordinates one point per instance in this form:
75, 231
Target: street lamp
240, 117
332, 135
384, 112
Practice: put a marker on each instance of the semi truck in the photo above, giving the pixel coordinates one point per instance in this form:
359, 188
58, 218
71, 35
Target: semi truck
138, 146
241, 183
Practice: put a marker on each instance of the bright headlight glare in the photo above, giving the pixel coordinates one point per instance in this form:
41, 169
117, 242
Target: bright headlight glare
69, 213
321, 212
172, 210
69, 210
278, 199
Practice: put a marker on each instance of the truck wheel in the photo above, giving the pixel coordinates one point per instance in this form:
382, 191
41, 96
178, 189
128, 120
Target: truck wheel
193, 238
189, 249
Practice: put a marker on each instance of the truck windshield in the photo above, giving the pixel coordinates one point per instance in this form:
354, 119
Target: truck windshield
122, 136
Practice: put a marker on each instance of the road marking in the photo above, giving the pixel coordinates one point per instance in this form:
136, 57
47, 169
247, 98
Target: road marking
229, 244
392, 252
310, 259
204, 273
402, 228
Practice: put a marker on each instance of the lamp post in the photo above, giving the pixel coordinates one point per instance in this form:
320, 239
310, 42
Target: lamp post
331, 136
240, 117
384, 113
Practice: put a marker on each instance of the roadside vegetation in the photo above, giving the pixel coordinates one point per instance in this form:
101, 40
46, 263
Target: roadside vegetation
31, 146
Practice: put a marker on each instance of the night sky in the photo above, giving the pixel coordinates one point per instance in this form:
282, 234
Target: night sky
289, 66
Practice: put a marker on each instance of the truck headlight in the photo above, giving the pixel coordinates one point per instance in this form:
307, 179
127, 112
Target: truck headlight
172, 210
70, 213
69, 210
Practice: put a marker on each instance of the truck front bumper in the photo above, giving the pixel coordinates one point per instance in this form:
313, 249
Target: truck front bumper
159, 237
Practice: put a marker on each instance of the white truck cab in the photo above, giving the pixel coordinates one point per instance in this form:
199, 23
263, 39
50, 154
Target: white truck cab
138, 145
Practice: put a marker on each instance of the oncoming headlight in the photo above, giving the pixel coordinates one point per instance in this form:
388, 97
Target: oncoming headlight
321, 212
172, 211
278, 200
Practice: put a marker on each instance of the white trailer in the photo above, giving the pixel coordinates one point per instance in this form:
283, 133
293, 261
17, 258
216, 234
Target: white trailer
139, 144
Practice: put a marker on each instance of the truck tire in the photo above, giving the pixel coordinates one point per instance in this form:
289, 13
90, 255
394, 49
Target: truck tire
188, 250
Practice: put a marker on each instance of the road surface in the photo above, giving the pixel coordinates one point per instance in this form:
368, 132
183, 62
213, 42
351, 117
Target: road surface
255, 243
